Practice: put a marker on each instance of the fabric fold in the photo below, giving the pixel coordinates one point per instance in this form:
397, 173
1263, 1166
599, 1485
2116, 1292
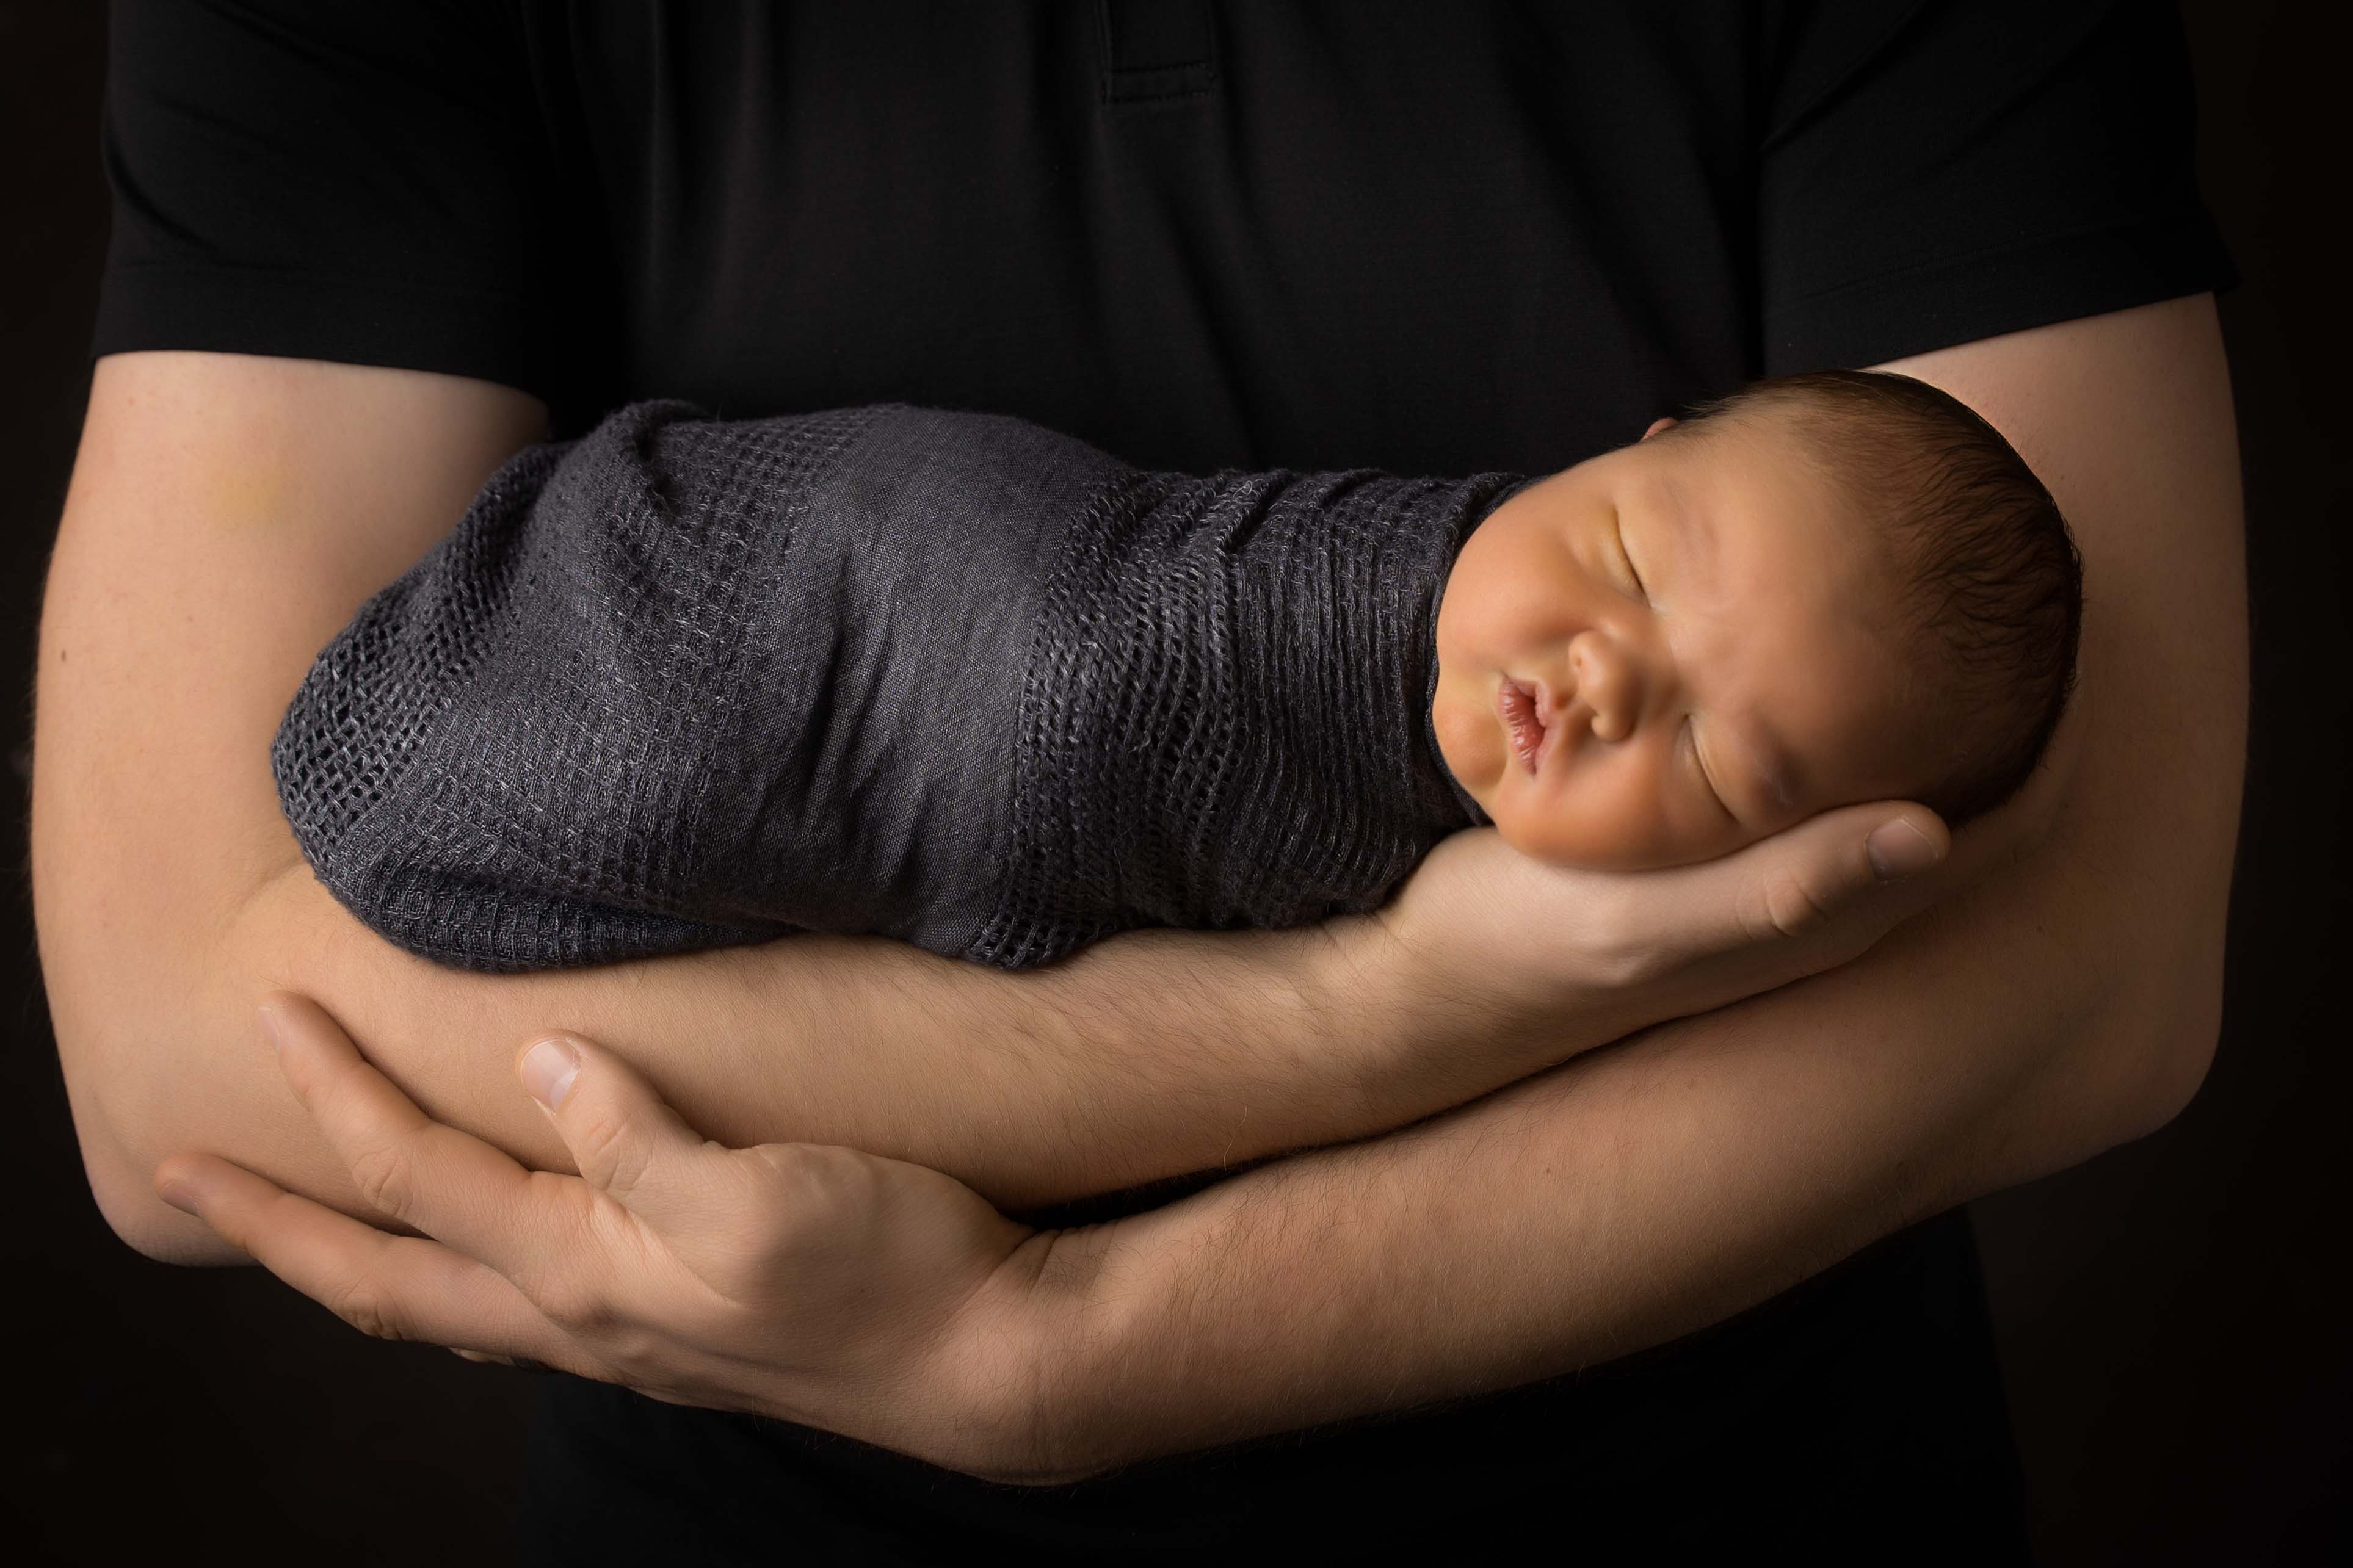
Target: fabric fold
944, 676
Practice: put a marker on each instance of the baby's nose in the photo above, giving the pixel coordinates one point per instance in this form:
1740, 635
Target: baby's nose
1607, 680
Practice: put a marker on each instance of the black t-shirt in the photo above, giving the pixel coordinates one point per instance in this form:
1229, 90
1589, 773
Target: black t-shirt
1434, 239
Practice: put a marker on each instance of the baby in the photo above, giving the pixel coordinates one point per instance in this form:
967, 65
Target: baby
955, 678
1833, 588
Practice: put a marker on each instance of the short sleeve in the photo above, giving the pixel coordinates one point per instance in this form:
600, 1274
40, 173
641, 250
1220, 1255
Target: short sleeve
359, 183
1939, 172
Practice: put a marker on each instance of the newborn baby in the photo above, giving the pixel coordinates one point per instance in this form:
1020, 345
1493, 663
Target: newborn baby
958, 679
1836, 588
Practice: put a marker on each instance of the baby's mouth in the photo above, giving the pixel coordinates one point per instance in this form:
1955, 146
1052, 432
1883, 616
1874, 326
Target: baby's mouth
1521, 707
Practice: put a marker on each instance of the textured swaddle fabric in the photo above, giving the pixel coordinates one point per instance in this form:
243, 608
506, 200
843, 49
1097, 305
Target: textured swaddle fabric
944, 676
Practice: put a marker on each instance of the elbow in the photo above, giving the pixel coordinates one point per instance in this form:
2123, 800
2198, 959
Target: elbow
2121, 1068
154, 1228
120, 1170
162, 1056
150, 1015
128, 1110
2167, 1042
2185, 1055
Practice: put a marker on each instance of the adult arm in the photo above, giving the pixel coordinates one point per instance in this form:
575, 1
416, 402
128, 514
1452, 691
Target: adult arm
2065, 1004
228, 515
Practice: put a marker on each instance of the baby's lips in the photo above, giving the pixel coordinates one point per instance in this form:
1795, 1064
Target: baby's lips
1521, 707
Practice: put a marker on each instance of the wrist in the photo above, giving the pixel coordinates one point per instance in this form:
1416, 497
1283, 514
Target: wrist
1023, 1364
1423, 1023
1455, 996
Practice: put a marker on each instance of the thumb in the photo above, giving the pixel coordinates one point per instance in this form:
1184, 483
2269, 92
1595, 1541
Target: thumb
1803, 878
1810, 898
624, 1137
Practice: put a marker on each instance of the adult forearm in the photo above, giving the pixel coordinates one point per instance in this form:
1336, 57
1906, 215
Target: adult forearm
1033, 1089
1620, 1200
1149, 1055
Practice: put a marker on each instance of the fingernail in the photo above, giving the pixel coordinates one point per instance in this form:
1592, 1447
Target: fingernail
273, 1027
178, 1196
1898, 849
548, 1070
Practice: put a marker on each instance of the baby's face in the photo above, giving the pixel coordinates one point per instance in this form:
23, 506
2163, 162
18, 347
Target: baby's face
1667, 652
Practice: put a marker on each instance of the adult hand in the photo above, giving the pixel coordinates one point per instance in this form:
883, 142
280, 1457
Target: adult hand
1535, 946
866, 1296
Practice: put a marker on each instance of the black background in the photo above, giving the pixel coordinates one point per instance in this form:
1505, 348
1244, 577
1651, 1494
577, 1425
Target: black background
2179, 1373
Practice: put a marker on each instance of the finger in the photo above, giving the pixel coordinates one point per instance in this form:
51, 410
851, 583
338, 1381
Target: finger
1827, 874
1834, 867
433, 1178
624, 1139
391, 1287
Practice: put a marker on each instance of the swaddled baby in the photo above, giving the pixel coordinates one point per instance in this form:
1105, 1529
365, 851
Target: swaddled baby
955, 678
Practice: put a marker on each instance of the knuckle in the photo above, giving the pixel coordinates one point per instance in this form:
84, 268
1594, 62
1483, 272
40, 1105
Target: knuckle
623, 1164
382, 1172
839, 1180
364, 1307
600, 1143
714, 1319
1785, 905
776, 1230
1629, 963
631, 1347
577, 1307
776, 1218
798, 1171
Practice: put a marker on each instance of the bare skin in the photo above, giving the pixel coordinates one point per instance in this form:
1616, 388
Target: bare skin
1665, 653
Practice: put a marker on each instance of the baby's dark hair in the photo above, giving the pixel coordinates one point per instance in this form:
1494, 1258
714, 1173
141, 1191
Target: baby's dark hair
1993, 595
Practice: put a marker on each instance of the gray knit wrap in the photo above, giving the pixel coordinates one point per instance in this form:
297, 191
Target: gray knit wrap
946, 677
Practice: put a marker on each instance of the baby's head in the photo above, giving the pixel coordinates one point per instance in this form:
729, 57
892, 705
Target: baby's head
1823, 589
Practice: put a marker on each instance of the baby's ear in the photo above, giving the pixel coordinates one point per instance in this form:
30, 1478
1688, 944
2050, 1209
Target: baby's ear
1662, 423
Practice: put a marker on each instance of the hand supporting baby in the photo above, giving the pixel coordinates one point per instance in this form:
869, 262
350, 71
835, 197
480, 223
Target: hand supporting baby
1570, 958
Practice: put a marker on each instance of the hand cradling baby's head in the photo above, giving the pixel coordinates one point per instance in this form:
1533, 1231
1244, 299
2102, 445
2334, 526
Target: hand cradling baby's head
1826, 588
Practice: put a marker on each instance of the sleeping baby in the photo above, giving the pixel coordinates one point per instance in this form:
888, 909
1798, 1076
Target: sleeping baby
957, 679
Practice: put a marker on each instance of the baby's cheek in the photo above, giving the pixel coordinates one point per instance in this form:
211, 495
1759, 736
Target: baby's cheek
1470, 742
1596, 814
